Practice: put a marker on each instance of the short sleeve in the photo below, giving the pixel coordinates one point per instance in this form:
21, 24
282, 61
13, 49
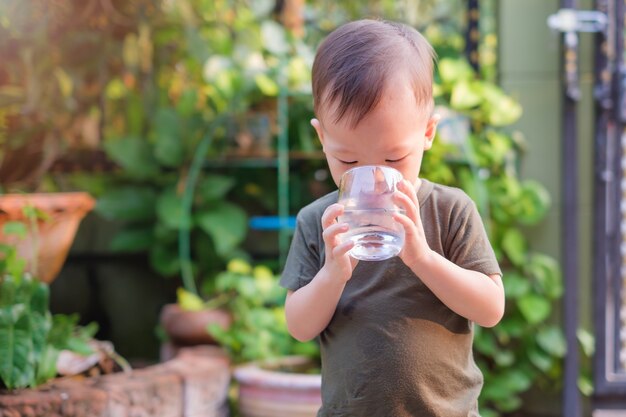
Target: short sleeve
304, 259
468, 245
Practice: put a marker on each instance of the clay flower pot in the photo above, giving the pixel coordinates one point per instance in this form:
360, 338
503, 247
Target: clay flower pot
189, 328
268, 389
50, 244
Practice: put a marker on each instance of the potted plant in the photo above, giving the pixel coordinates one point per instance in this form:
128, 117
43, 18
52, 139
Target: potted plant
53, 220
33, 339
276, 375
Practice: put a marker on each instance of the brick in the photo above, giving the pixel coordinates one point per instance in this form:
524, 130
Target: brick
194, 384
205, 371
71, 400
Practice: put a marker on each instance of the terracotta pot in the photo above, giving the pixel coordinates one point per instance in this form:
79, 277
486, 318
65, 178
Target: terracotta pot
189, 328
54, 236
266, 391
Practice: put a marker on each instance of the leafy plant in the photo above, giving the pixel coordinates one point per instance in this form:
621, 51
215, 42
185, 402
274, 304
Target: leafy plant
228, 68
30, 337
526, 348
256, 301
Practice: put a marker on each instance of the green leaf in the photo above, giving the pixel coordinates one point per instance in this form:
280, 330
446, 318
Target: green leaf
546, 273
500, 147
515, 285
509, 404
189, 301
274, 37
504, 358
514, 246
485, 343
168, 148
534, 308
170, 210
540, 359
79, 345
18, 229
128, 203
587, 341
39, 297
164, 259
214, 187
267, 86
511, 327
62, 329
115, 89
485, 412
551, 340
515, 380
226, 223
133, 240
47, 364
186, 105
453, 71
465, 96
135, 155
17, 359
534, 203
585, 385
501, 109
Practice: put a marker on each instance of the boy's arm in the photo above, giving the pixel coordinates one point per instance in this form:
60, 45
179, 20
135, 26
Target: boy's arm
473, 295
308, 310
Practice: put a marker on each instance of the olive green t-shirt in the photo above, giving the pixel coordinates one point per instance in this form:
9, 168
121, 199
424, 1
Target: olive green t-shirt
392, 349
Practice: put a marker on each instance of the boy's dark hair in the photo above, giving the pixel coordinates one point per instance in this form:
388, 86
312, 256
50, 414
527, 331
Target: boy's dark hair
353, 64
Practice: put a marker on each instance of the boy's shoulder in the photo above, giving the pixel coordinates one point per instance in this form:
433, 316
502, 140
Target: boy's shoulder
439, 194
316, 208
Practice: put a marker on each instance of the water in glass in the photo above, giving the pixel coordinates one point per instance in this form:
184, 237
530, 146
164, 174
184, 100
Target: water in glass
376, 235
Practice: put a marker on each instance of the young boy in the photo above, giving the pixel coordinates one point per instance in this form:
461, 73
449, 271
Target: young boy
395, 335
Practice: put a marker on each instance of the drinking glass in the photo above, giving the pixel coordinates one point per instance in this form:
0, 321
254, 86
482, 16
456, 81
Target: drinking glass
366, 194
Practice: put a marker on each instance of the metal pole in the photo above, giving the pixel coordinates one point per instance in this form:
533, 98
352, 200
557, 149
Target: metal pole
283, 168
571, 395
472, 34
604, 69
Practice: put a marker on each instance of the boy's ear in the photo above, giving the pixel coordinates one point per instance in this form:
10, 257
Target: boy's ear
431, 129
318, 129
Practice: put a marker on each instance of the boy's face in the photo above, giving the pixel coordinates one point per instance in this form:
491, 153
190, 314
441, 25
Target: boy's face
395, 133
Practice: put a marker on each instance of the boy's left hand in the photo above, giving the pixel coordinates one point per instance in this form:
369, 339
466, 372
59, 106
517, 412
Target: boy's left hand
415, 245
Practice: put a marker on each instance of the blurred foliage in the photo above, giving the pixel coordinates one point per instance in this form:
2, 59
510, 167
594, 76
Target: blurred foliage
144, 80
475, 150
30, 337
256, 301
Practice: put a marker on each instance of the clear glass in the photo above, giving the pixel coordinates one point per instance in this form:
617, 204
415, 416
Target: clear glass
365, 192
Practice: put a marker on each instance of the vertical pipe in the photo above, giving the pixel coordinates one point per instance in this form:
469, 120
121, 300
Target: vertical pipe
283, 169
604, 73
571, 396
472, 34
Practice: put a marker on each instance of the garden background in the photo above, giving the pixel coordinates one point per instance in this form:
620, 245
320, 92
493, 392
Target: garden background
188, 120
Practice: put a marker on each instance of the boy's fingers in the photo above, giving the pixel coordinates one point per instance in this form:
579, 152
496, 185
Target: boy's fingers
343, 248
330, 215
333, 230
408, 189
405, 221
405, 202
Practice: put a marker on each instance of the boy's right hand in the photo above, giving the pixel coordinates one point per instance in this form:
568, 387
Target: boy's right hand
339, 264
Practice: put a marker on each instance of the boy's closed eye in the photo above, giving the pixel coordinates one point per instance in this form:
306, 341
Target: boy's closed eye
348, 162
391, 161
